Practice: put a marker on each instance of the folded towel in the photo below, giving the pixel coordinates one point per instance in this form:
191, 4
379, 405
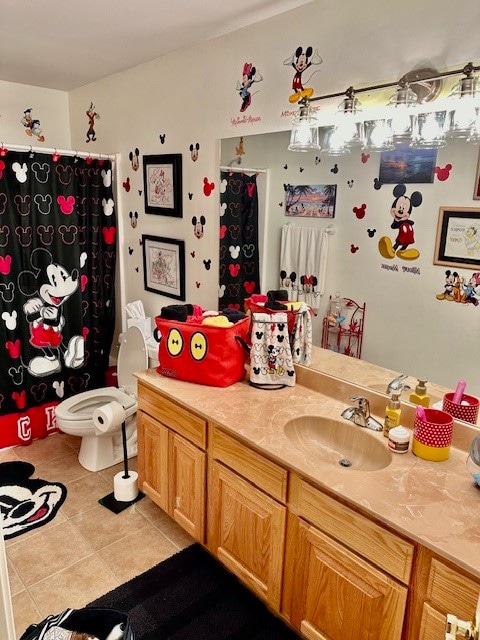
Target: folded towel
279, 294
217, 321
178, 312
275, 306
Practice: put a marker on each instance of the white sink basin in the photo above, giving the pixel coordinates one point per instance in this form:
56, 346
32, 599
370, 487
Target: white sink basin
338, 442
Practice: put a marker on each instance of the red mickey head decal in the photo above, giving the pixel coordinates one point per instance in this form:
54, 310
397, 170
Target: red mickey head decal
13, 348
89, 160
5, 264
360, 211
208, 187
126, 185
223, 231
66, 204
365, 157
109, 234
83, 282
85, 332
353, 248
234, 269
20, 399
249, 287
443, 173
2, 167
250, 189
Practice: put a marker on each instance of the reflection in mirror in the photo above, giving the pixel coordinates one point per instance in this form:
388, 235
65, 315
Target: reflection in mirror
411, 324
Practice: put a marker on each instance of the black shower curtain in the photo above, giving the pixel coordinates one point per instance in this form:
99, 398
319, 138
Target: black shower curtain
239, 254
57, 273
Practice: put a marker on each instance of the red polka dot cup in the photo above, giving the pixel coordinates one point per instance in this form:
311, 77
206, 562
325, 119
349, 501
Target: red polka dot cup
432, 435
467, 410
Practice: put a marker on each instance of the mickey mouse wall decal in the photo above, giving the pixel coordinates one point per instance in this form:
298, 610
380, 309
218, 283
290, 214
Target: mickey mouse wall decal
198, 225
194, 149
301, 60
134, 159
400, 211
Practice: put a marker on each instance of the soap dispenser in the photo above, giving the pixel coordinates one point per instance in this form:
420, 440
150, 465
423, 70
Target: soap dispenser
420, 396
392, 414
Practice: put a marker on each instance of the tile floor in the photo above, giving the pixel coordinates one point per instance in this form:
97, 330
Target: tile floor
86, 550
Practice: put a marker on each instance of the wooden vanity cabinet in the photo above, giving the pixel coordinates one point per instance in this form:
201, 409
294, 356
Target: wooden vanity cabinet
345, 576
440, 589
326, 568
247, 515
172, 460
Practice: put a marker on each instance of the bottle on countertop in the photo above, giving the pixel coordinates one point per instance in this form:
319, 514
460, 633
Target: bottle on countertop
392, 414
420, 395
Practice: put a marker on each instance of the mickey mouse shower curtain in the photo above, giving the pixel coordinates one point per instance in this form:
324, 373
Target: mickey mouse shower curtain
57, 273
239, 254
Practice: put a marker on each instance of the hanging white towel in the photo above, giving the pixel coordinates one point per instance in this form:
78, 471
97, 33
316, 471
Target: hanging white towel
302, 337
303, 263
271, 362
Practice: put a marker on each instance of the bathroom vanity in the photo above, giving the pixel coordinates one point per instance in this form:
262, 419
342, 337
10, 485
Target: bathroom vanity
382, 549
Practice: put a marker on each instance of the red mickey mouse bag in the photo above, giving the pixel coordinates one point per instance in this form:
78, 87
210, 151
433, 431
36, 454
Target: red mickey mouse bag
204, 354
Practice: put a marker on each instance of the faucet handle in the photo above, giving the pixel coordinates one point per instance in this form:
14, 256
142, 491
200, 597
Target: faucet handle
363, 404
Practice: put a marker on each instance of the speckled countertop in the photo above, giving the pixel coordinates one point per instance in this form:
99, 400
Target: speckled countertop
434, 503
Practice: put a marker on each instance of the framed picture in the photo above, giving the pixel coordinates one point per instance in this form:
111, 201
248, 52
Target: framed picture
458, 237
405, 165
164, 266
476, 190
310, 201
162, 184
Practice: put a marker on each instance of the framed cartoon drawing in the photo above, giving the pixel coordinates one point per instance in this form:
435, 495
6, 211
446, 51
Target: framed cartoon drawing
164, 266
458, 237
162, 184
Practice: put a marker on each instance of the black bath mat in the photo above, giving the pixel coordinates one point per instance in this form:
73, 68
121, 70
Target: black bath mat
25, 502
190, 596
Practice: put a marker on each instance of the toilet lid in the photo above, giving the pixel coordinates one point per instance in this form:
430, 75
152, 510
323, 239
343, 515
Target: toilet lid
132, 357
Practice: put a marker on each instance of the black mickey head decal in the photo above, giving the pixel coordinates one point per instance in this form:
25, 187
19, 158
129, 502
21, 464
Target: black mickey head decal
162, 137
377, 184
334, 169
371, 232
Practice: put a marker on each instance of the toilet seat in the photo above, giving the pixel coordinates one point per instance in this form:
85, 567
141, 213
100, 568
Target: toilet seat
76, 413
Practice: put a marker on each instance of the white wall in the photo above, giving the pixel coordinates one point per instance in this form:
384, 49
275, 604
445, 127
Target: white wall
48, 105
191, 96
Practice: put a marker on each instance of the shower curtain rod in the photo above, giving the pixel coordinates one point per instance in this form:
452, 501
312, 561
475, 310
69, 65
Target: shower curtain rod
243, 170
62, 152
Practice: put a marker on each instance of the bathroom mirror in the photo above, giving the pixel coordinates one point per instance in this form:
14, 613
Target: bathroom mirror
410, 325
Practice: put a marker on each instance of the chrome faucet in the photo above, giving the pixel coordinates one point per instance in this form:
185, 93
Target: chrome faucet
397, 385
360, 415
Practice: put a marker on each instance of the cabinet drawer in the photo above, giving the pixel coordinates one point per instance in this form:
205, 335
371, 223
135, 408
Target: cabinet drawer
173, 415
451, 592
386, 550
261, 471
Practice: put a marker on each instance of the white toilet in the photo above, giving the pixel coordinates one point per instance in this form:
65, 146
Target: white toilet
75, 415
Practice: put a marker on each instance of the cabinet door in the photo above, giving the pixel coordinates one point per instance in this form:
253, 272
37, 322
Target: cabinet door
342, 596
247, 532
187, 489
153, 459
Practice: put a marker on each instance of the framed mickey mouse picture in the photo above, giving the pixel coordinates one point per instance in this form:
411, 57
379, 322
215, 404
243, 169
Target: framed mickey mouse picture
458, 237
162, 184
164, 266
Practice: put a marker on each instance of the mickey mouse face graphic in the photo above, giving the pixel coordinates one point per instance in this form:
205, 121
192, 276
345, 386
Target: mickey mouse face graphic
25, 502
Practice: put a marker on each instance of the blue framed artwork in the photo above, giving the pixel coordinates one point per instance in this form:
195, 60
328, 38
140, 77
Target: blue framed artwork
405, 165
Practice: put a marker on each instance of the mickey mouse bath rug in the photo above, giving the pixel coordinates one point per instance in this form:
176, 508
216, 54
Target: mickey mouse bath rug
25, 502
